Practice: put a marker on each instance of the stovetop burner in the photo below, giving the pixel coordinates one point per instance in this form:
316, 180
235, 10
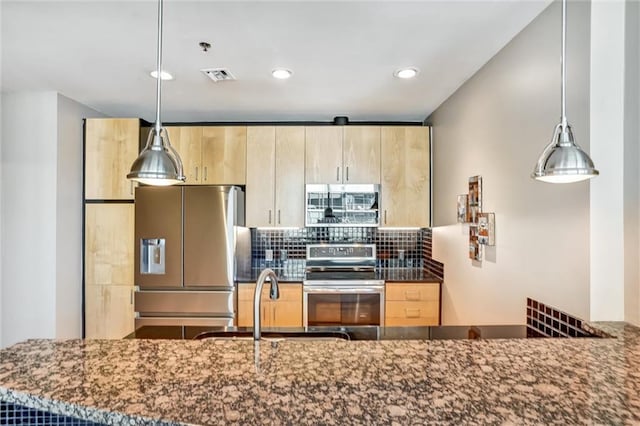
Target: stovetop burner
334, 262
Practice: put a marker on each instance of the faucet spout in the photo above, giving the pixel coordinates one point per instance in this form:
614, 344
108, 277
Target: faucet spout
274, 294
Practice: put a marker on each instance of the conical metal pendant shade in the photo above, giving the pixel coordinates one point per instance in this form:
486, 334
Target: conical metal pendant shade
562, 161
158, 163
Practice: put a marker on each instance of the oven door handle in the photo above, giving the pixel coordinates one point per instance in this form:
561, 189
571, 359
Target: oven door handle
340, 289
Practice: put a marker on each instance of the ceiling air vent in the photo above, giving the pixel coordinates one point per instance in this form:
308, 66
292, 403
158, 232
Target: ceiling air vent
218, 74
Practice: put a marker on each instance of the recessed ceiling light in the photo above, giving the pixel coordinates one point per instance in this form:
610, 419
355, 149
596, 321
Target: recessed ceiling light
406, 72
281, 73
163, 75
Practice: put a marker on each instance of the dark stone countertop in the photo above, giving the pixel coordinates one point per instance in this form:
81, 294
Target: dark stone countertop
388, 275
208, 382
446, 332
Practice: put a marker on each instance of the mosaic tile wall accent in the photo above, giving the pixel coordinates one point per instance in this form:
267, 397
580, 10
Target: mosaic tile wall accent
11, 414
430, 264
546, 321
396, 249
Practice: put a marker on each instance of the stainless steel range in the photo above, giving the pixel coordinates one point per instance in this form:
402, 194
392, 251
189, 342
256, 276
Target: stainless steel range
340, 286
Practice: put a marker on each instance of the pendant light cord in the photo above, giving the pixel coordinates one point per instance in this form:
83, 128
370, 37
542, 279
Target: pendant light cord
564, 65
158, 125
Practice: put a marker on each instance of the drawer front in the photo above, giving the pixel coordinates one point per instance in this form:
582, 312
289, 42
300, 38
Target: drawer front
184, 303
413, 292
412, 313
288, 292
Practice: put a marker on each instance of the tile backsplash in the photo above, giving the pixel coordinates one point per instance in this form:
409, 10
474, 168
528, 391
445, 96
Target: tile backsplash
547, 321
284, 250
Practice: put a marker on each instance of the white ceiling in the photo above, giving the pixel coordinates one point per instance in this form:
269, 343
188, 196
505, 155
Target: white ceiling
343, 55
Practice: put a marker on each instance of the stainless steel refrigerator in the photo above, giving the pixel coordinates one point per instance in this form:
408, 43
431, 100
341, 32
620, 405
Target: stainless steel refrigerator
191, 250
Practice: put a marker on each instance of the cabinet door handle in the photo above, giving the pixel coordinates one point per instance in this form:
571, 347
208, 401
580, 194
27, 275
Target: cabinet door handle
338, 174
385, 217
196, 173
269, 216
278, 216
347, 173
412, 313
205, 173
412, 295
273, 317
131, 301
131, 187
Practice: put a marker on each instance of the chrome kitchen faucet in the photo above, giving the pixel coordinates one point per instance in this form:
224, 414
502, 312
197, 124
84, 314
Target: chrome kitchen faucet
274, 293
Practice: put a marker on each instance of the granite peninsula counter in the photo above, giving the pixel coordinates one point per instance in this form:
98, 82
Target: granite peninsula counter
139, 381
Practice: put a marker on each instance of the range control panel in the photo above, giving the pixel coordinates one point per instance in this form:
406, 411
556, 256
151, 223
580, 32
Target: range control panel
341, 251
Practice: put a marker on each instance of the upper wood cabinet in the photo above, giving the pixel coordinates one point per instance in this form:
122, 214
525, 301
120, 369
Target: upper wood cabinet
111, 147
342, 154
187, 140
361, 154
275, 176
211, 155
406, 186
224, 155
323, 161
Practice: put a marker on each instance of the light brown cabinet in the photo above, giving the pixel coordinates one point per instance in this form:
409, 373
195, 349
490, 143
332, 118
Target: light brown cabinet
405, 167
187, 140
283, 312
211, 155
342, 154
361, 154
109, 270
275, 176
111, 147
412, 304
109, 311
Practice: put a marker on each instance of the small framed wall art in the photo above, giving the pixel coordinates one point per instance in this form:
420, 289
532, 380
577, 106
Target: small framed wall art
475, 249
486, 229
462, 208
475, 198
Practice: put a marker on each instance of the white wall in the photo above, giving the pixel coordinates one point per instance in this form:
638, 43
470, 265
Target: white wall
69, 217
637, 26
615, 113
1, 6
631, 160
41, 216
28, 229
496, 125
607, 135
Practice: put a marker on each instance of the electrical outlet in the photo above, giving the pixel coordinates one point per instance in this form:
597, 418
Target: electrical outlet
268, 255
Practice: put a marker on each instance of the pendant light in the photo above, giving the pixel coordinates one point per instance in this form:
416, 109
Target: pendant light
562, 161
158, 163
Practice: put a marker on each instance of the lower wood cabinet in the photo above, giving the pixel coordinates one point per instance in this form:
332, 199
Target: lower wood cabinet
412, 304
109, 311
284, 312
108, 278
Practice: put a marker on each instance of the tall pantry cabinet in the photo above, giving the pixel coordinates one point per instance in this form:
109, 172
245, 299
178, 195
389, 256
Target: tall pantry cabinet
111, 146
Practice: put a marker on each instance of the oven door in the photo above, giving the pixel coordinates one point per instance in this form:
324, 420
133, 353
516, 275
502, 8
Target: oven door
343, 304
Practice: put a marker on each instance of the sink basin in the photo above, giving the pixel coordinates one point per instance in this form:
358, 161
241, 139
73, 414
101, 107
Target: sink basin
275, 335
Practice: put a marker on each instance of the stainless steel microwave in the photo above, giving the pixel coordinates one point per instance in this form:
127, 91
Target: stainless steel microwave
342, 205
